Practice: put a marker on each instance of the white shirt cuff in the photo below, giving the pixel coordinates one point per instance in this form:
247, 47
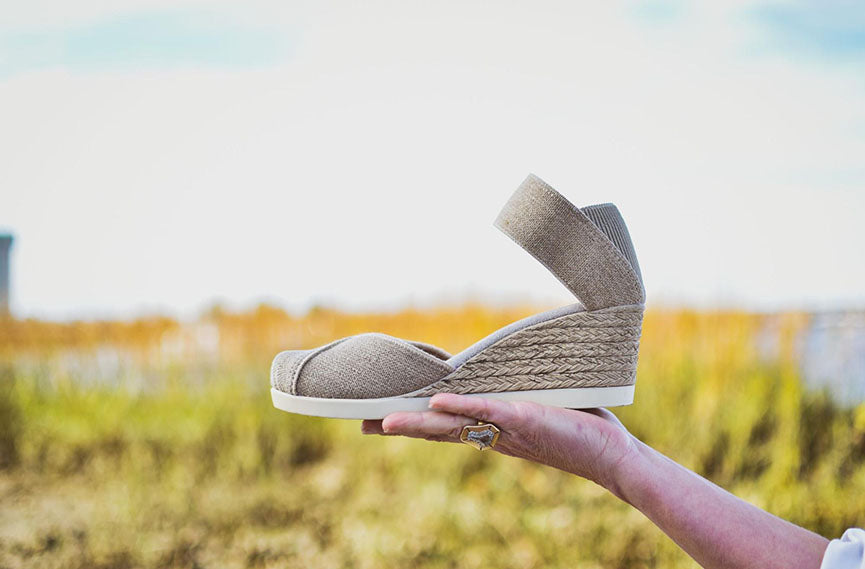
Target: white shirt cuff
847, 552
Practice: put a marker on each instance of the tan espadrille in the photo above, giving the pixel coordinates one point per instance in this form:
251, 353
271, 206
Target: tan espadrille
579, 356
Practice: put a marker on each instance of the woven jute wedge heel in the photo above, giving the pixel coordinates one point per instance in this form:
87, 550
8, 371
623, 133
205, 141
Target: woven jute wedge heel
579, 356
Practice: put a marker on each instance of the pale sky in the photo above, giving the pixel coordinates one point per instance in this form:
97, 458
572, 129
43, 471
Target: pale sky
159, 156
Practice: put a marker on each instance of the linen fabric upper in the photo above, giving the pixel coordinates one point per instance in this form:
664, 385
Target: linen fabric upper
360, 367
588, 250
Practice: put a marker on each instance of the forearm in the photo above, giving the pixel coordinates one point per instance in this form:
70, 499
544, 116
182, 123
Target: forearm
714, 527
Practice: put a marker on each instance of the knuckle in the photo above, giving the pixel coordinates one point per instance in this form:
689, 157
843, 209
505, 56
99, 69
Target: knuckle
484, 409
524, 412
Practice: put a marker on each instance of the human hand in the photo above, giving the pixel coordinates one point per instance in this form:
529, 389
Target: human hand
592, 443
717, 529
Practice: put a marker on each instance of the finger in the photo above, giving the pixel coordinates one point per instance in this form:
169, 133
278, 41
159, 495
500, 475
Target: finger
441, 439
373, 427
493, 410
425, 424
607, 415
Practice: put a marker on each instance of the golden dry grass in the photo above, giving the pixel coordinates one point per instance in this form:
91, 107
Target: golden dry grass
151, 444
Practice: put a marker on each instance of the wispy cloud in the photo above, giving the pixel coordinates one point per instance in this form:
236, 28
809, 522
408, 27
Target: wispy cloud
828, 30
658, 11
145, 40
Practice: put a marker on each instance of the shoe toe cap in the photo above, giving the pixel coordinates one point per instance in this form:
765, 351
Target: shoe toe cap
359, 367
282, 370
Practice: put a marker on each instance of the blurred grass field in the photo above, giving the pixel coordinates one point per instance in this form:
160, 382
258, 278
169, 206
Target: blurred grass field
154, 444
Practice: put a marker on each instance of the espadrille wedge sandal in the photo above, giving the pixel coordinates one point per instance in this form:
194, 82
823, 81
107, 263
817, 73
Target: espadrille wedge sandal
577, 356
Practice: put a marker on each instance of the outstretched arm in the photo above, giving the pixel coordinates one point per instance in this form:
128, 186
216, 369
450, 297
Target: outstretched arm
717, 529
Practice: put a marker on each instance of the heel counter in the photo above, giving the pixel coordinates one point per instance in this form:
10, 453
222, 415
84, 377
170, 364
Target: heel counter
609, 220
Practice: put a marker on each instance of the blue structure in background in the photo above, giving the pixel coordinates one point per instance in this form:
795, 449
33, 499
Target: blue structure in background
5, 246
832, 352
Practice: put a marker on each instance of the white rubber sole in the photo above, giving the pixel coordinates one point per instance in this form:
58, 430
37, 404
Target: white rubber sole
573, 398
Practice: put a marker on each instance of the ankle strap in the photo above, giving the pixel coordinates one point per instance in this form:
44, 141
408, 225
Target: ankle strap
588, 250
